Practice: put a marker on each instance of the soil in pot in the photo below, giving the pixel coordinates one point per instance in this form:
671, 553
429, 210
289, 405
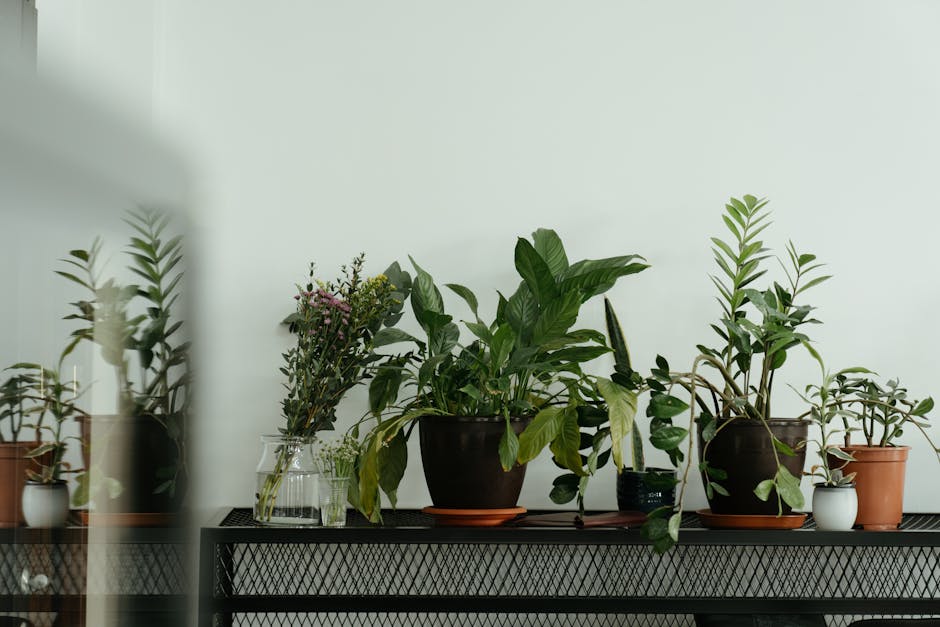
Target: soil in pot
745, 451
644, 491
13, 467
460, 455
879, 483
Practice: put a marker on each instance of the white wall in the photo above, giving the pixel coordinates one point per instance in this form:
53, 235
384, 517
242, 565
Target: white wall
444, 130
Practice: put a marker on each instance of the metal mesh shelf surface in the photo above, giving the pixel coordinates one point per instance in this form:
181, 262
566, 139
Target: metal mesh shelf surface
408, 572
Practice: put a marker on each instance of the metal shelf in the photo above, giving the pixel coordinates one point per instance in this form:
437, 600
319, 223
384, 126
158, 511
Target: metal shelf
255, 575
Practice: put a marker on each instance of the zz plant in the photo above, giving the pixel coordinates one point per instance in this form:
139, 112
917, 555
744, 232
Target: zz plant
524, 362
138, 330
735, 379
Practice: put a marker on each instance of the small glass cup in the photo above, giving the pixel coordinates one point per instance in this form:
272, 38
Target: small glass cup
333, 492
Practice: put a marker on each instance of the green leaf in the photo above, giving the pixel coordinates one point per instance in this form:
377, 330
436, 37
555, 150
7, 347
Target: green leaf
788, 487
543, 429
556, 318
522, 313
391, 335
565, 446
392, 461
621, 410
615, 332
923, 407
577, 354
675, 521
565, 488
784, 448
720, 489
501, 346
383, 389
444, 339
472, 391
668, 437
468, 296
665, 406
599, 280
550, 248
425, 296
535, 272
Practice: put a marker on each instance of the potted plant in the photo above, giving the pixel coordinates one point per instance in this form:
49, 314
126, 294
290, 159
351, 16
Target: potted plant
835, 503
46, 496
486, 407
746, 453
15, 448
881, 412
137, 331
638, 488
335, 325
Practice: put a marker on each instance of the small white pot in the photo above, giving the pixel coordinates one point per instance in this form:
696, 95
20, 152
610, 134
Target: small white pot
46, 504
834, 508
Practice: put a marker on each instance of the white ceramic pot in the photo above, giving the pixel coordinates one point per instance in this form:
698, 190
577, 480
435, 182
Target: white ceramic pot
834, 508
46, 504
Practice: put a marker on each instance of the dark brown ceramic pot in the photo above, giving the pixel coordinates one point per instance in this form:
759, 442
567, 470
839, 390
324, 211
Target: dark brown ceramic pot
460, 455
879, 484
132, 449
744, 450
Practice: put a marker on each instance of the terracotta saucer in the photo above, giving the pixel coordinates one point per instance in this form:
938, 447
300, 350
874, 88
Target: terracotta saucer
750, 521
452, 517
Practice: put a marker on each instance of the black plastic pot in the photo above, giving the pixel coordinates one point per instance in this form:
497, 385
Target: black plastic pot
744, 450
460, 455
639, 491
134, 449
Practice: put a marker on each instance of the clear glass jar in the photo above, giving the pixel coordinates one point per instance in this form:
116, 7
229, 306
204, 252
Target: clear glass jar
286, 492
333, 492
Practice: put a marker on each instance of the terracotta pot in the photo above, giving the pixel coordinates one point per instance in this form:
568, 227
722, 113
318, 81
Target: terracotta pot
460, 455
879, 482
13, 467
744, 450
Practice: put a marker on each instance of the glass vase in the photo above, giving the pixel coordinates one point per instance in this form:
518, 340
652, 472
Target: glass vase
333, 492
286, 483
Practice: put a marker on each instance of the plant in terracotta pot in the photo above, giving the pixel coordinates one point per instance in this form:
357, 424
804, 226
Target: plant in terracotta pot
747, 455
487, 406
881, 413
335, 326
139, 334
17, 439
46, 496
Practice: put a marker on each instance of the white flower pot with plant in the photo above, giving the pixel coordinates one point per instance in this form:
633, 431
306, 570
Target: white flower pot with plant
835, 502
46, 495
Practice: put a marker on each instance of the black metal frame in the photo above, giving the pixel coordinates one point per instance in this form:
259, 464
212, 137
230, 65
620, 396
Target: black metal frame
68, 563
233, 548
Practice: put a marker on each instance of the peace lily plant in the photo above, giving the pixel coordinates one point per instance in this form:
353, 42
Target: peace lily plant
525, 361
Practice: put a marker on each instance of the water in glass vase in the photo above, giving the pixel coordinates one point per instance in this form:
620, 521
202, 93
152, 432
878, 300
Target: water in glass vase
288, 499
